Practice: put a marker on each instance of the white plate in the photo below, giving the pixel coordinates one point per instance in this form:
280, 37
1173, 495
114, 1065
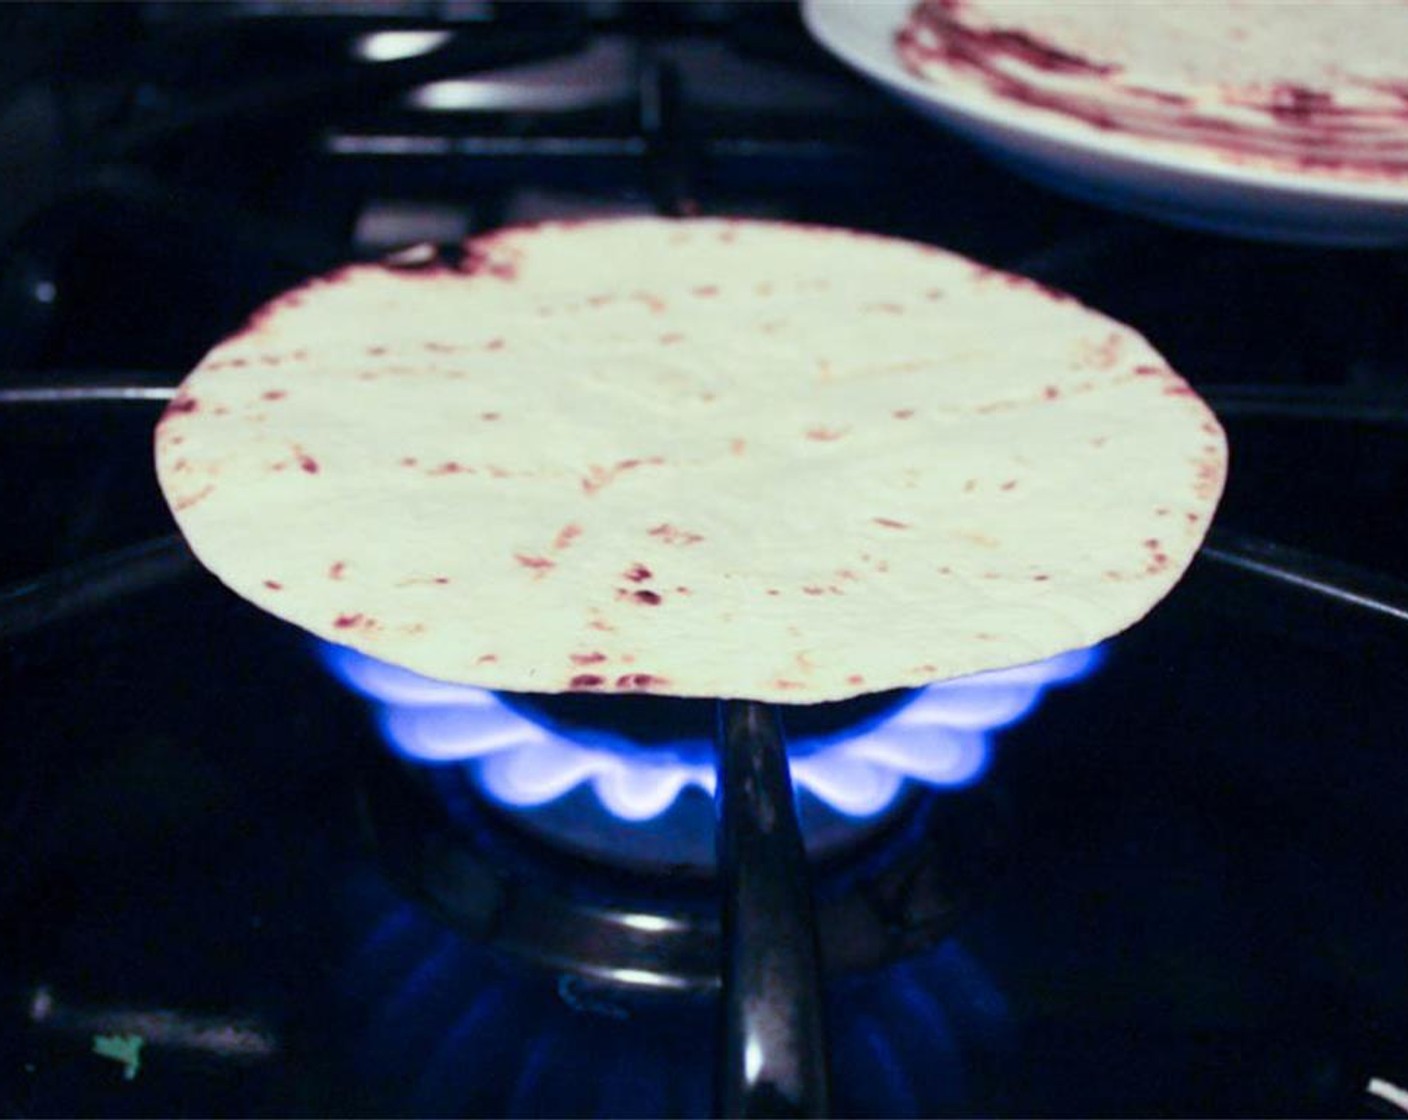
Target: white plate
1171, 182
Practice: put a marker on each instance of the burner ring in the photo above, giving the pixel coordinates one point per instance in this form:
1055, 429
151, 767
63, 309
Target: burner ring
662, 933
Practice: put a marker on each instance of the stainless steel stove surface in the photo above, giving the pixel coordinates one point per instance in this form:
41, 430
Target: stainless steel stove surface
1174, 887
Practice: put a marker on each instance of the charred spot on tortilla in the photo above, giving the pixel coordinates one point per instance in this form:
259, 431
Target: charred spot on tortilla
671, 534
640, 682
480, 258
661, 514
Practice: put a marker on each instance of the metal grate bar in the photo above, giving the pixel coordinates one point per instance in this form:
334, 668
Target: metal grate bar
1329, 579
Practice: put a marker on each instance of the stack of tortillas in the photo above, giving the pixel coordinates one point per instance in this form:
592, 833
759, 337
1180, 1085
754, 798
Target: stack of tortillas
698, 458
1317, 88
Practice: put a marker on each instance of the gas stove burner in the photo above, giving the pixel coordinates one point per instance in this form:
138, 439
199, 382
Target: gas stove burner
451, 1029
621, 790
631, 779
903, 892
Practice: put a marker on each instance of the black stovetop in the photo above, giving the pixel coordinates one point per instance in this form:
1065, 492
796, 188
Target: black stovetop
1202, 910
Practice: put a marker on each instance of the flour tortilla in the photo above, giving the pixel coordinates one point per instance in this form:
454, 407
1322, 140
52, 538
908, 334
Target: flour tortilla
1318, 88
697, 458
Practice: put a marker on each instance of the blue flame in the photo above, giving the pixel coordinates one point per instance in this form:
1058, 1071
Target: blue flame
438, 1025
941, 737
